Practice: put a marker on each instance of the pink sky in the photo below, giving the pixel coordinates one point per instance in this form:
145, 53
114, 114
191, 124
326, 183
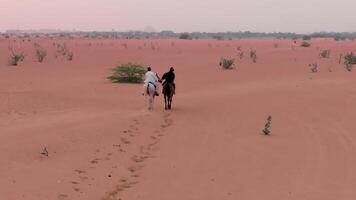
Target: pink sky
182, 15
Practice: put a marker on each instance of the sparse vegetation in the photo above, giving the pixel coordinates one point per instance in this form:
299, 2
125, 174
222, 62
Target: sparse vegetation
267, 130
305, 44
314, 67
185, 36
350, 60
15, 56
227, 63
128, 73
45, 152
253, 56
41, 53
325, 53
218, 37
63, 51
307, 37
240, 53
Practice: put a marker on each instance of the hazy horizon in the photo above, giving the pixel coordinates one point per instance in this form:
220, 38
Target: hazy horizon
180, 16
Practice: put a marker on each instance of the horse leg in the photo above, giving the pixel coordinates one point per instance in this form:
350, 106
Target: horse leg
170, 103
149, 103
165, 102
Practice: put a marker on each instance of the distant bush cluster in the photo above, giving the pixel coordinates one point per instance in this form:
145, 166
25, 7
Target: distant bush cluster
185, 36
172, 34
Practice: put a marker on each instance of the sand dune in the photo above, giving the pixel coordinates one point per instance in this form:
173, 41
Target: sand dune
104, 144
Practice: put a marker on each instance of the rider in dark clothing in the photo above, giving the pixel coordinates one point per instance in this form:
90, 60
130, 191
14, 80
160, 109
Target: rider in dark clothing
169, 78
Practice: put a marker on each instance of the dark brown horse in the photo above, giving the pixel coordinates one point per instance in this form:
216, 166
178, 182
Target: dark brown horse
168, 91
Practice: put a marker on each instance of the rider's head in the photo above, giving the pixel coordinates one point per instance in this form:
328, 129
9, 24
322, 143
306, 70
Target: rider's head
148, 68
171, 69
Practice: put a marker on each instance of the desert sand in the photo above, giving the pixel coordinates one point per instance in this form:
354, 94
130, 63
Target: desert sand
103, 143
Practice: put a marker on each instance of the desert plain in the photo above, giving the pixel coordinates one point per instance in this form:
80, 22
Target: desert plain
103, 143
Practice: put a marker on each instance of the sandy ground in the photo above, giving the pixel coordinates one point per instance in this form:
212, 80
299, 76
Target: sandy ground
103, 144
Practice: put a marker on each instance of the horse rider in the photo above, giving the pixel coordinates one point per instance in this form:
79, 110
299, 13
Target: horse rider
169, 78
152, 78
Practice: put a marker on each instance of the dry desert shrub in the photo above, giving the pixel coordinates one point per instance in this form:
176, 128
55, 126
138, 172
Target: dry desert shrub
253, 56
15, 56
62, 50
240, 54
227, 63
325, 53
305, 44
267, 130
314, 67
350, 60
41, 53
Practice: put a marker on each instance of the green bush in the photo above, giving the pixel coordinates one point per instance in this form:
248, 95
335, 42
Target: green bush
227, 63
128, 73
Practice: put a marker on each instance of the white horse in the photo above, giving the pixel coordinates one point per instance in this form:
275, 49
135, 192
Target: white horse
149, 93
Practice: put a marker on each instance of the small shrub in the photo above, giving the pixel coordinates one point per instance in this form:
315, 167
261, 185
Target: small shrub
41, 53
45, 152
63, 51
267, 130
185, 36
306, 37
128, 73
218, 37
69, 55
325, 53
227, 63
305, 44
240, 55
314, 67
350, 60
275, 45
15, 57
253, 56
338, 38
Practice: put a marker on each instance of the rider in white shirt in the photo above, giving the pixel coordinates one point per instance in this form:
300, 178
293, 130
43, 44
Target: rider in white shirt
152, 78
